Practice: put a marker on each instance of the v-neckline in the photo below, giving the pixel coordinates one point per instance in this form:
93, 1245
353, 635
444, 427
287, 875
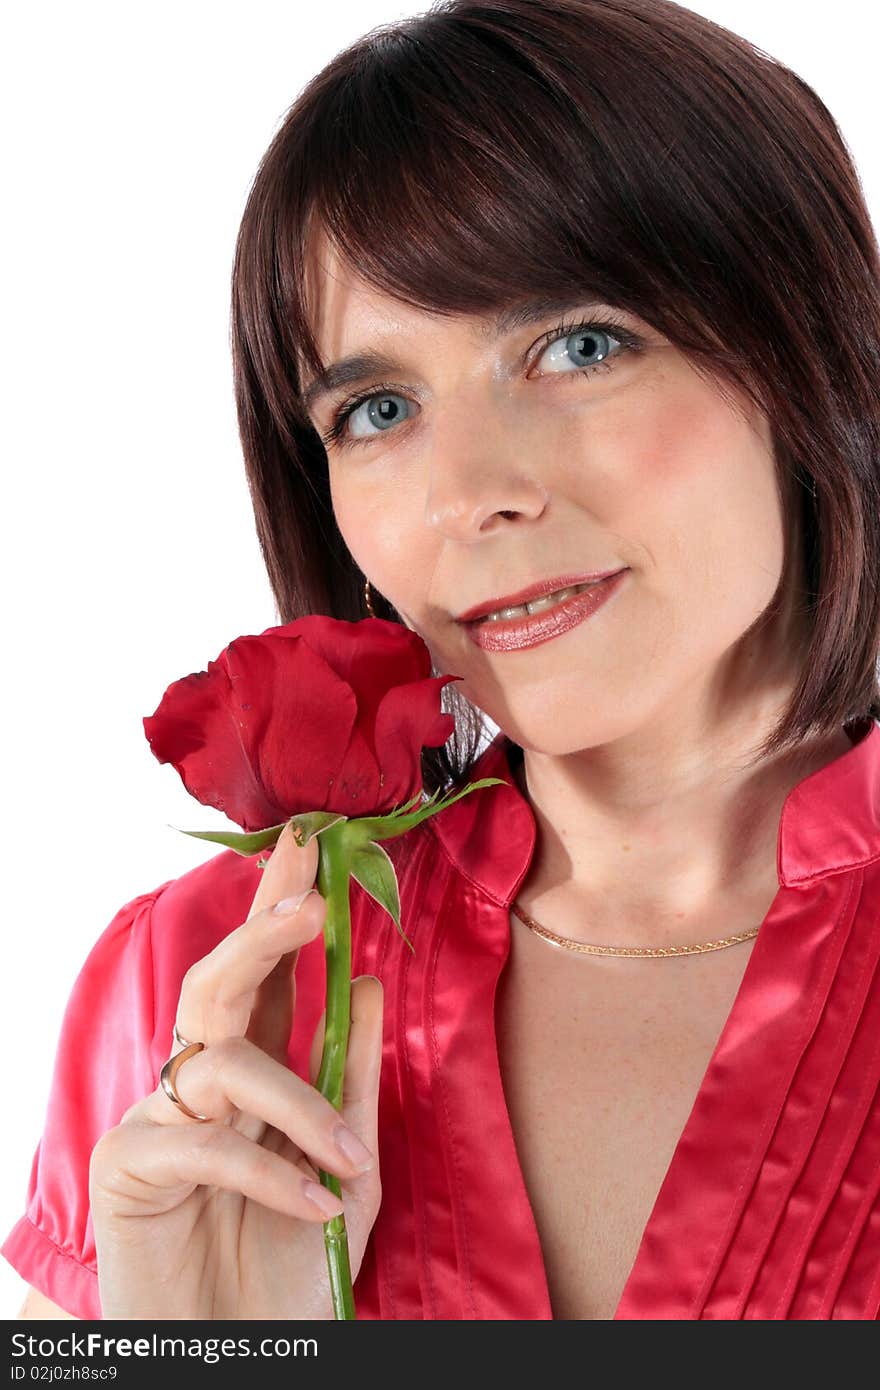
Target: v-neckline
699, 1137
697, 1253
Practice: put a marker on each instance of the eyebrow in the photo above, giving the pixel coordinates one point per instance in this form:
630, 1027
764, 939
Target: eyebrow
348, 371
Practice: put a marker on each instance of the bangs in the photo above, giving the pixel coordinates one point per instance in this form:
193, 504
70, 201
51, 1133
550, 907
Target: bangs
463, 175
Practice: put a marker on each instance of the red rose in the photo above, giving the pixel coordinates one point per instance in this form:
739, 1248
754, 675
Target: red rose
316, 715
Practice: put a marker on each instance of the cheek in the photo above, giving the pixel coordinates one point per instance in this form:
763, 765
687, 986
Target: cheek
699, 484
376, 523
693, 495
365, 518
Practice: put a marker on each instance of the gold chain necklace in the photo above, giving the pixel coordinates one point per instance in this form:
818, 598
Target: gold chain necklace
591, 950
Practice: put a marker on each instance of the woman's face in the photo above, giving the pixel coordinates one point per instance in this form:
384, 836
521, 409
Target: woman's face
481, 463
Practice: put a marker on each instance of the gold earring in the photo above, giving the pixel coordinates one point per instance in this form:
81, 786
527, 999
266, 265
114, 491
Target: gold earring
367, 598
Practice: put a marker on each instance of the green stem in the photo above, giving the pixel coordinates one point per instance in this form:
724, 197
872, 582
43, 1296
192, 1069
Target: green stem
334, 867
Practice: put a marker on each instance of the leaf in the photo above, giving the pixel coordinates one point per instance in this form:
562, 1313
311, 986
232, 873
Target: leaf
374, 871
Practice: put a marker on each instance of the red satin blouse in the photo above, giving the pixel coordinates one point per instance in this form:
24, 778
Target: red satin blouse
770, 1207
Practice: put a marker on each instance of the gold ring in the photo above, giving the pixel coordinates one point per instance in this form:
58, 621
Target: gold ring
169, 1072
181, 1042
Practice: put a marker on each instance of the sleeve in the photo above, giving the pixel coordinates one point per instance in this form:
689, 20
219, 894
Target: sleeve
102, 1066
115, 1037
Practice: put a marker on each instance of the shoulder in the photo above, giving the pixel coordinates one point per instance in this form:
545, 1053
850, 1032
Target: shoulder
192, 914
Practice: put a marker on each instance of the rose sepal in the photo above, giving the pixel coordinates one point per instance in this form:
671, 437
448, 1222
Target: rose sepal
399, 821
309, 823
368, 863
247, 842
374, 871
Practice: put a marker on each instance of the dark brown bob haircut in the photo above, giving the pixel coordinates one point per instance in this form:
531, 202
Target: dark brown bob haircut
627, 151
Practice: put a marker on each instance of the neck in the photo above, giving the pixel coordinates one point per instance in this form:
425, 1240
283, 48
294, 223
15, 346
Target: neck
658, 842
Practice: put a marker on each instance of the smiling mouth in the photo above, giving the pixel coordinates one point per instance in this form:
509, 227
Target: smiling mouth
537, 605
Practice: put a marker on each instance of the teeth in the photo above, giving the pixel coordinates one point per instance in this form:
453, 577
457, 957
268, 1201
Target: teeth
536, 606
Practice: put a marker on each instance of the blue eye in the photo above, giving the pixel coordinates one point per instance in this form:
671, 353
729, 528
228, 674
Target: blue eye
380, 410
584, 343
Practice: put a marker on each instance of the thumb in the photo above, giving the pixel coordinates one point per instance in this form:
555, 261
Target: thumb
363, 1062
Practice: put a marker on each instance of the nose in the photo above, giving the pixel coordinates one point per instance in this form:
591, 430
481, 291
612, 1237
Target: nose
480, 478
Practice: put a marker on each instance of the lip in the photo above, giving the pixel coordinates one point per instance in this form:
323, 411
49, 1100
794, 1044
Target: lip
538, 590
514, 634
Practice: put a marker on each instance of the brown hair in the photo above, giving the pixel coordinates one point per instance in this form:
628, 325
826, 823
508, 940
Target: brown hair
626, 150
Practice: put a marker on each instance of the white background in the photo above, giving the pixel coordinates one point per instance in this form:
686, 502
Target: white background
129, 556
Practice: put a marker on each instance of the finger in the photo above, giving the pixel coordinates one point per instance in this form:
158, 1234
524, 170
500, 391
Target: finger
317, 1049
307, 1169
159, 1166
366, 1018
291, 869
274, 1005
364, 1037
235, 1075
360, 1093
220, 992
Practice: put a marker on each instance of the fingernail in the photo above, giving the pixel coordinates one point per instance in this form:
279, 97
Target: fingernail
325, 1201
293, 904
351, 1148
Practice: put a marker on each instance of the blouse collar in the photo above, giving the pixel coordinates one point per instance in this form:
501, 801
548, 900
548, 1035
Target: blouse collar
830, 820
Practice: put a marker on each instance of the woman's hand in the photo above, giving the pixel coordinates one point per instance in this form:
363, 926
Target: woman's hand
214, 1220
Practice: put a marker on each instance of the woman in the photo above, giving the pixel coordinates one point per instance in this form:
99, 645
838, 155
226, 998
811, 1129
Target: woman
631, 1071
